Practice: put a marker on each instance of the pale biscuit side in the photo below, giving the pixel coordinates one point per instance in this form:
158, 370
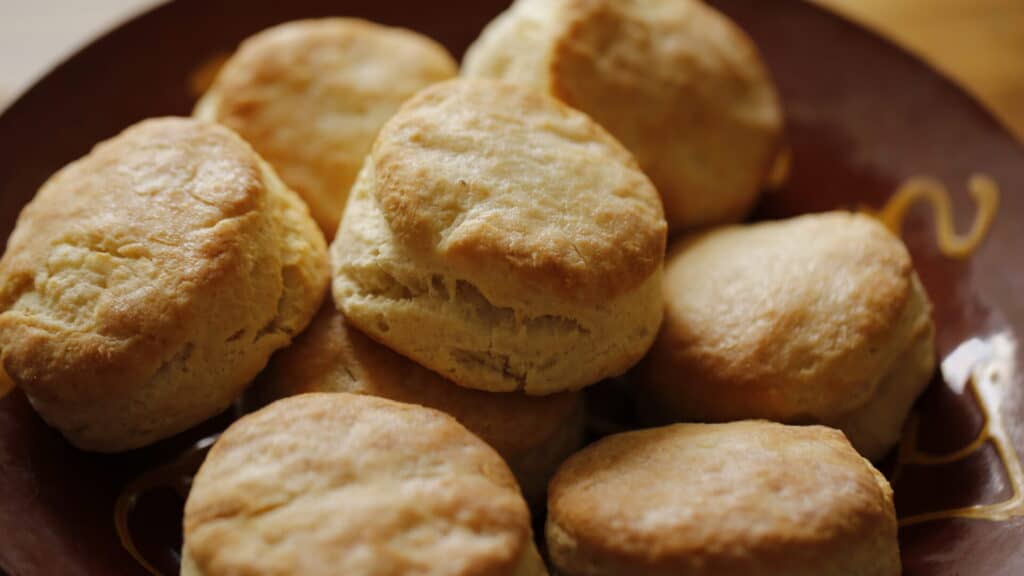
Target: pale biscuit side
446, 323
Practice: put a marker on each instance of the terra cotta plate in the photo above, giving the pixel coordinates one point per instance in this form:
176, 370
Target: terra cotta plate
863, 116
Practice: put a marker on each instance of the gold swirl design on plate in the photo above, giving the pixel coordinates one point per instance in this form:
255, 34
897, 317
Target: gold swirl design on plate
982, 367
985, 368
175, 475
982, 189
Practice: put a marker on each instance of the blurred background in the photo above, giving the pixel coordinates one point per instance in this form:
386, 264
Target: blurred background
979, 43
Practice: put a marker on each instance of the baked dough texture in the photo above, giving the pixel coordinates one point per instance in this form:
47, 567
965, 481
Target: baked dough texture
311, 95
326, 484
677, 82
533, 434
748, 498
503, 240
816, 319
148, 283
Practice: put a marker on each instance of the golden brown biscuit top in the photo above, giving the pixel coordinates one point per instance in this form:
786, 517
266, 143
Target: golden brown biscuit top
331, 356
310, 96
696, 73
777, 304
517, 192
667, 50
113, 246
668, 54
349, 484
683, 495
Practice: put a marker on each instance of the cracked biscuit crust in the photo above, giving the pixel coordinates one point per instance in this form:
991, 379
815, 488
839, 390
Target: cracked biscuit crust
323, 484
147, 283
503, 240
519, 192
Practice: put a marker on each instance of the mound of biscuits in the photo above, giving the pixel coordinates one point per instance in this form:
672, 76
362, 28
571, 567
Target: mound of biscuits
499, 243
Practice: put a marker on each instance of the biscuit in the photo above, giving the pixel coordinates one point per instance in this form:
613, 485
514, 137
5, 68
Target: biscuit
817, 319
677, 82
752, 497
325, 484
311, 95
533, 434
503, 240
149, 282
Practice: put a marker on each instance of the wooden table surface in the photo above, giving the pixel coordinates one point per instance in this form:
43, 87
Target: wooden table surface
979, 43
